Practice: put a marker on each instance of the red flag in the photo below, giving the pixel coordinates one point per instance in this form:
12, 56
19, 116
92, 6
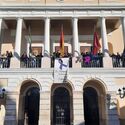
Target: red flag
96, 44
62, 42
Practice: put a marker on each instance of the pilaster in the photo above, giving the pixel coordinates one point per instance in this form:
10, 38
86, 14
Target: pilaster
78, 108
44, 109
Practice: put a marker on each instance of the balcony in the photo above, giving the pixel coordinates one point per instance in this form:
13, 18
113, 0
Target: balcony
86, 61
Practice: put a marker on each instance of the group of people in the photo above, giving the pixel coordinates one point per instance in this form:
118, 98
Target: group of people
31, 60
5, 59
118, 59
87, 59
91, 60
57, 54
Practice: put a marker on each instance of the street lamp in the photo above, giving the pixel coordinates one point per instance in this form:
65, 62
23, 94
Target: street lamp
121, 92
2, 93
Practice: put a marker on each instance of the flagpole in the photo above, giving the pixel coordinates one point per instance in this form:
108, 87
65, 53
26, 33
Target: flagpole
93, 38
30, 39
62, 42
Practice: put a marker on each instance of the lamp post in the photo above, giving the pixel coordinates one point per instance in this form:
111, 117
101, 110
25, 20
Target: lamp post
121, 92
2, 93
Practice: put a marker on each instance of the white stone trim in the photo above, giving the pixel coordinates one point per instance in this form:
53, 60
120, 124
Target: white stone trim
68, 13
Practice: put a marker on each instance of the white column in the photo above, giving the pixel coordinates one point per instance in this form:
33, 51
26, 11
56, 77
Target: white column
0, 25
18, 37
47, 37
123, 29
75, 37
104, 37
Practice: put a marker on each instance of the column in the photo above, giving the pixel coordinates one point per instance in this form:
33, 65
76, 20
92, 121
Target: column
18, 37
47, 37
75, 37
46, 61
123, 29
104, 37
107, 61
15, 62
1, 20
75, 62
0, 25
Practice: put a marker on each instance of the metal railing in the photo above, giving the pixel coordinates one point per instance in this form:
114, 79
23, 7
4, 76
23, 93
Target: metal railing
31, 62
118, 62
5, 62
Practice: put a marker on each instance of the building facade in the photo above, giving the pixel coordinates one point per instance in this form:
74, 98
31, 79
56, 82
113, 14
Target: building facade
32, 92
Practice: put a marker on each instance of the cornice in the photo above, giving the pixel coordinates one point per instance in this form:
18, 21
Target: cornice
49, 71
62, 7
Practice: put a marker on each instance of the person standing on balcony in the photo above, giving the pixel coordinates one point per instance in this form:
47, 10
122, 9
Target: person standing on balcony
123, 59
24, 58
118, 58
100, 57
8, 55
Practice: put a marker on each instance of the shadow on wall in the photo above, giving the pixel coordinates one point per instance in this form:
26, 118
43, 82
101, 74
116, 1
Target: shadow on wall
122, 114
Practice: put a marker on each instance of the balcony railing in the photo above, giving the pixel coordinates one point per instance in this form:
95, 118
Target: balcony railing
118, 61
5, 62
31, 62
86, 62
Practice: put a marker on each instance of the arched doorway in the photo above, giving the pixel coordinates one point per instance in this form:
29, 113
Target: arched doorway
61, 106
91, 106
28, 111
32, 105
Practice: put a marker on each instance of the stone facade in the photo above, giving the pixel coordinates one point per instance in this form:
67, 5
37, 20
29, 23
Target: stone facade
44, 19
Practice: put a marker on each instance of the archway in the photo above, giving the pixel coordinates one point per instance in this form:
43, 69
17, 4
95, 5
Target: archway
91, 107
94, 100
61, 106
29, 103
32, 105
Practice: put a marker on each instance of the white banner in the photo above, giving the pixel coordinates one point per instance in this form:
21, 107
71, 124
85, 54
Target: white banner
60, 70
61, 64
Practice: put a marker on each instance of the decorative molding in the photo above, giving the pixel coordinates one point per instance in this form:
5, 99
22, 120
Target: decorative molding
60, 13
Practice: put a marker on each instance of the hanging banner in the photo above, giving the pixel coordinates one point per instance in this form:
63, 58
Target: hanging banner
61, 67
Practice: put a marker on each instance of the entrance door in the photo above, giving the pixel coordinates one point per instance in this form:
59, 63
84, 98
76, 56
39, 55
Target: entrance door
32, 105
91, 109
61, 107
